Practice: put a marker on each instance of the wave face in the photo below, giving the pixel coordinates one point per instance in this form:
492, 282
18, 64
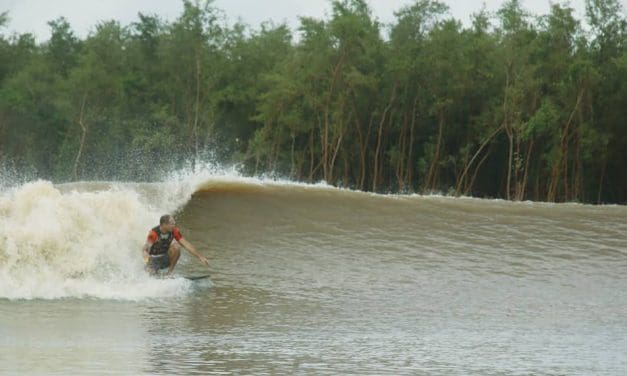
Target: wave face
294, 237
83, 239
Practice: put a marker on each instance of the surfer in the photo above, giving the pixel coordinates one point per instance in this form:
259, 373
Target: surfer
163, 246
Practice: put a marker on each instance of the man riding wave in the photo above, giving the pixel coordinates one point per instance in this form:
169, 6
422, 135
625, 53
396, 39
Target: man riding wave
163, 247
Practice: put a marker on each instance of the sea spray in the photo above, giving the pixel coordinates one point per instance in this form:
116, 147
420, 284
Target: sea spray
56, 244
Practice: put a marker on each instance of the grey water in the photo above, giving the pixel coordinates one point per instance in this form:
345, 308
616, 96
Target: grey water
319, 281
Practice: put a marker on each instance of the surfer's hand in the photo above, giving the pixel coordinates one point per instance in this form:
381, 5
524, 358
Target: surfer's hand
204, 260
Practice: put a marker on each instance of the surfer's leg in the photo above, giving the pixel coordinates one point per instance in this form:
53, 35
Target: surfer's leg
173, 254
156, 263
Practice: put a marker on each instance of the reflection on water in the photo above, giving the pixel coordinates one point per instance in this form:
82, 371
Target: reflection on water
69, 337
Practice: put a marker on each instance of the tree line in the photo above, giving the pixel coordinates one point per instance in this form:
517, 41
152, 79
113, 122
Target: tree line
513, 105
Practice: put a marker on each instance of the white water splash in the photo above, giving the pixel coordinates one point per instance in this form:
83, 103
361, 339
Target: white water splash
60, 243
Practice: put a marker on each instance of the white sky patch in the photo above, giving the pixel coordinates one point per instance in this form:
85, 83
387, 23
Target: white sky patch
31, 16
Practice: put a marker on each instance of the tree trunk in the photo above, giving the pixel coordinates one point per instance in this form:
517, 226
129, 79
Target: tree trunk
432, 175
475, 173
520, 194
578, 182
560, 164
363, 148
293, 161
510, 137
410, 157
402, 145
84, 130
379, 138
362, 155
336, 144
312, 156
316, 167
460, 183
277, 148
336, 149
327, 120
601, 181
347, 168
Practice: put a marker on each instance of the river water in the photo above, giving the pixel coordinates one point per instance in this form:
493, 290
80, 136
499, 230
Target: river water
308, 279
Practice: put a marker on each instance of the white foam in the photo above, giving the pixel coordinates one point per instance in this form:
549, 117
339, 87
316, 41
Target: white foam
80, 244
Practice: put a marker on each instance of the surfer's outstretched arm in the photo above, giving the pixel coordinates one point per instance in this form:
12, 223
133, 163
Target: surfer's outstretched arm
191, 249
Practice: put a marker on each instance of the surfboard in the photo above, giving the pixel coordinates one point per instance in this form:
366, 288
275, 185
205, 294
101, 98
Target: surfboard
196, 277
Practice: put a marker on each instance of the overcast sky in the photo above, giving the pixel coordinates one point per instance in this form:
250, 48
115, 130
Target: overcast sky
33, 15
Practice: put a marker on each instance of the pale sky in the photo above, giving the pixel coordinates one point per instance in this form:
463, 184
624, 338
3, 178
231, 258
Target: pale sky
33, 15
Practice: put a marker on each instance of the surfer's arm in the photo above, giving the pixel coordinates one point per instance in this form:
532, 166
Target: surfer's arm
191, 249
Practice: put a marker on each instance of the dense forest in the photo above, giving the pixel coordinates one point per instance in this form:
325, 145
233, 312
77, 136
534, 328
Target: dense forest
512, 105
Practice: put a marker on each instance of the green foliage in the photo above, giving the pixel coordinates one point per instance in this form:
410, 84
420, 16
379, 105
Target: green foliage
542, 122
514, 105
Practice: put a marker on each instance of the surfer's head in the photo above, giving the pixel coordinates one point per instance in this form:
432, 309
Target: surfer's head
167, 220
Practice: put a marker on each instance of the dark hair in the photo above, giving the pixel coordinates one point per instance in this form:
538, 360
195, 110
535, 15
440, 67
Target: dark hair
165, 219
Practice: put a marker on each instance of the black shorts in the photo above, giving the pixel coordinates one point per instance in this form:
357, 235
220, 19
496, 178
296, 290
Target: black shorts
158, 262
